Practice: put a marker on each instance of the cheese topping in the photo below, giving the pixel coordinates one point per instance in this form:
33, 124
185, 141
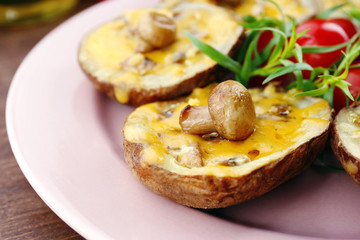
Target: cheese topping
109, 52
283, 123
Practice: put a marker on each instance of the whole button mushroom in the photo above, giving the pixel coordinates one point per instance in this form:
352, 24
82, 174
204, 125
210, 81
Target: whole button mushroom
230, 112
156, 30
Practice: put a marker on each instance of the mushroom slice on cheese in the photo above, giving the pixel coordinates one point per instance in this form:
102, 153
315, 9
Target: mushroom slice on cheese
345, 140
122, 61
207, 171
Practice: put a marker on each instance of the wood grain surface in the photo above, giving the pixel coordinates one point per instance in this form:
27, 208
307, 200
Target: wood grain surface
23, 215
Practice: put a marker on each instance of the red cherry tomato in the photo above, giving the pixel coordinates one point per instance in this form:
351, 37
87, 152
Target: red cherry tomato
345, 24
353, 78
264, 39
322, 33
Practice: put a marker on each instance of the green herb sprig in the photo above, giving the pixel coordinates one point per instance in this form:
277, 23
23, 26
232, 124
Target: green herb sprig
335, 76
277, 58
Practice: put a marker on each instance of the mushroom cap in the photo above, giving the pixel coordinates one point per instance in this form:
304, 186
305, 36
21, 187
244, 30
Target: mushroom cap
232, 110
157, 29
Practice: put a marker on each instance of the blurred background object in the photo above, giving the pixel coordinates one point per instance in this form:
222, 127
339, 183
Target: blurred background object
23, 215
29, 12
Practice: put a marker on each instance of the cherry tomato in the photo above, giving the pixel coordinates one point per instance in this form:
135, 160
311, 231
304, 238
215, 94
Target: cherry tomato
345, 24
353, 78
322, 33
264, 39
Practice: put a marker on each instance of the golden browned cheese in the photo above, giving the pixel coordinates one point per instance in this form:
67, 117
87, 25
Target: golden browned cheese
283, 123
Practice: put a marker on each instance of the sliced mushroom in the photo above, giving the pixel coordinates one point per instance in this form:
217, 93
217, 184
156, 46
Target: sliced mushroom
230, 112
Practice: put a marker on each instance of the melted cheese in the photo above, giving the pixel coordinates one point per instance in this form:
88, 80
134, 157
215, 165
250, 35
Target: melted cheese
109, 52
275, 135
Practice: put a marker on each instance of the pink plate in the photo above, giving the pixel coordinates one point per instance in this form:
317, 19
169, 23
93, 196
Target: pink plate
67, 140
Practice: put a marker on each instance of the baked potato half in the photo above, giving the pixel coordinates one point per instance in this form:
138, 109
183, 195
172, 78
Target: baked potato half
300, 10
345, 139
117, 58
208, 171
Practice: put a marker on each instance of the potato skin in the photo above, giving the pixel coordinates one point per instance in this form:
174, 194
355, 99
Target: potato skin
139, 96
208, 192
342, 153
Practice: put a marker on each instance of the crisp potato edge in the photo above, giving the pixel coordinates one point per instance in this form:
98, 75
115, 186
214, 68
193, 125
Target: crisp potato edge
208, 192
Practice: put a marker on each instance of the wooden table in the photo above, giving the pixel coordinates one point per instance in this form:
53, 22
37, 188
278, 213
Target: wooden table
23, 215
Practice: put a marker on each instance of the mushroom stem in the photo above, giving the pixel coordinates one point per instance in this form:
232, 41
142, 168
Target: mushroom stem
196, 120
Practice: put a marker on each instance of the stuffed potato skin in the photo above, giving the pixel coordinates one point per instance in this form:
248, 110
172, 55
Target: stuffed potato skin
110, 58
340, 144
207, 192
155, 156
